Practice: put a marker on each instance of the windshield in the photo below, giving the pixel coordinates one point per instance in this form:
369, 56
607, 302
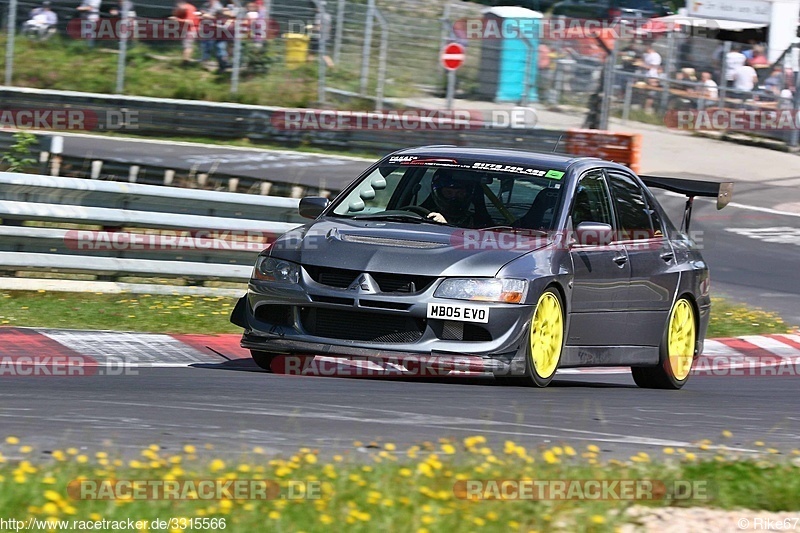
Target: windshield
457, 197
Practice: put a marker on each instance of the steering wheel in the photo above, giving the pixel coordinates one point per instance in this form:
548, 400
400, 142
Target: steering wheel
418, 209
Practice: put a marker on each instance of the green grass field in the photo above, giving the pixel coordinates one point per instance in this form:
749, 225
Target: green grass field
442, 486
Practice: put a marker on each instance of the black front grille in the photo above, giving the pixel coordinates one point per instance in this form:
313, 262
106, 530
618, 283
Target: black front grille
358, 326
274, 314
342, 278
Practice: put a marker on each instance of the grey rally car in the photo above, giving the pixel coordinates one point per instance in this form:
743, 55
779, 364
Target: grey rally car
521, 263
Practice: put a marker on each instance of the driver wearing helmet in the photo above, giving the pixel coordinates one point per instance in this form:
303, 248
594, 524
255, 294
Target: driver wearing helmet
452, 198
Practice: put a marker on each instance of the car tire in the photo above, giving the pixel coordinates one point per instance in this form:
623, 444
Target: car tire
676, 353
263, 359
545, 339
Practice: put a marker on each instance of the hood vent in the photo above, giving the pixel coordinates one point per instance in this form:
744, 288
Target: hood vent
384, 241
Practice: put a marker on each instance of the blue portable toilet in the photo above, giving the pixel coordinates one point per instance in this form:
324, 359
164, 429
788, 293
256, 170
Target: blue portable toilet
510, 39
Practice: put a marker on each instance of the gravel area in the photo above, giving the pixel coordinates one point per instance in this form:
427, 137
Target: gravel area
703, 520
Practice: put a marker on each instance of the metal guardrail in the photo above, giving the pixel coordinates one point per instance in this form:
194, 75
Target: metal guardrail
170, 118
133, 229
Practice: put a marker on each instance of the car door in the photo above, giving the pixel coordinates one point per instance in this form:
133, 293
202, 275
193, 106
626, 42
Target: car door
600, 272
654, 276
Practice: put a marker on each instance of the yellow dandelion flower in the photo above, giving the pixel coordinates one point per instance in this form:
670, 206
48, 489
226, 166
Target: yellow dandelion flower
448, 449
25, 449
550, 457
12, 440
598, 519
274, 515
405, 472
669, 451
50, 508
52, 495
727, 434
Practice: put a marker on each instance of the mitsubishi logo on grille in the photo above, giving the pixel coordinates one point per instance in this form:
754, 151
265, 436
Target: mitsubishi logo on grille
364, 283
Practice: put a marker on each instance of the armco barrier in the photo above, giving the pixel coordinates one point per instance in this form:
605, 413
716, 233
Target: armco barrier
170, 118
135, 230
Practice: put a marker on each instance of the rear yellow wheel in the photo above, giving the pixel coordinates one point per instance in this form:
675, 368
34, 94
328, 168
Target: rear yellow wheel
546, 338
676, 352
681, 339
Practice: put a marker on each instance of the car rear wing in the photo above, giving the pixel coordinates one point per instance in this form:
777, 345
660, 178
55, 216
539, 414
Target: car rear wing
721, 190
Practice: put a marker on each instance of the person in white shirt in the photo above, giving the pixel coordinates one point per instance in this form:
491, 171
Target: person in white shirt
733, 60
652, 60
710, 87
41, 21
745, 78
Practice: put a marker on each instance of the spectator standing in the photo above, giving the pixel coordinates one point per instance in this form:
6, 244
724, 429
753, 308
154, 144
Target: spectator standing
187, 14
652, 62
90, 11
733, 60
745, 80
214, 20
759, 58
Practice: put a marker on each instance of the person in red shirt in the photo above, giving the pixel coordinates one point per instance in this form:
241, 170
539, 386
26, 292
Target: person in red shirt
187, 14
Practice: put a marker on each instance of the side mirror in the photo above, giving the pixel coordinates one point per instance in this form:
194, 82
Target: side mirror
313, 206
594, 233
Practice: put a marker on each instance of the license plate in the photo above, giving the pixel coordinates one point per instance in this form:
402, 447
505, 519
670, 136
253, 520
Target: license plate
460, 312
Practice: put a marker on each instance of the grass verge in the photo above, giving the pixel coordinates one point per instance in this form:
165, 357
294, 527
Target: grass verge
420, 489
198, 314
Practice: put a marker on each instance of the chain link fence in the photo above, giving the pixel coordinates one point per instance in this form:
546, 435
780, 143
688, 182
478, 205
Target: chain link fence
368, 51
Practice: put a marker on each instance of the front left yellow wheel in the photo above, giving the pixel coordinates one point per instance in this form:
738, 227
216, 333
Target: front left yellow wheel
546, 338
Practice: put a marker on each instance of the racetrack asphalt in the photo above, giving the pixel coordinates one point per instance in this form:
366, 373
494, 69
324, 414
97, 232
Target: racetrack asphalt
178, 394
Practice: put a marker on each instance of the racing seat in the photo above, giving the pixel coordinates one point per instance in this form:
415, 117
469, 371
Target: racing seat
536, 217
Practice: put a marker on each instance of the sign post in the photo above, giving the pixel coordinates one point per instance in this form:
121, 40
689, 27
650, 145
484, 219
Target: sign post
452, 58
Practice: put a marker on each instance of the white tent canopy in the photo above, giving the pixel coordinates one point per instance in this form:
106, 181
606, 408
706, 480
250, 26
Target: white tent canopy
698, 22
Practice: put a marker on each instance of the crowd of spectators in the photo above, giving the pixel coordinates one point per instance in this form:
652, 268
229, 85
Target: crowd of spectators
744, 71
212, 26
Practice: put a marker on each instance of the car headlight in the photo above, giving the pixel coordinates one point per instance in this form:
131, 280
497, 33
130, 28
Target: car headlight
483, 290
278, 270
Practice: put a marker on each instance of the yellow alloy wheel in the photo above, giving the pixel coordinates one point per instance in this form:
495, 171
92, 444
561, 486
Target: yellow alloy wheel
547, 335
681, 339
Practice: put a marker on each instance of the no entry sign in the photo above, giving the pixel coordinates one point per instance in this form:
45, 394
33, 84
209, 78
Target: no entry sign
453, 56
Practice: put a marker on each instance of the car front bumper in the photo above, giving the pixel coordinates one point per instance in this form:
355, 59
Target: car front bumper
313, 319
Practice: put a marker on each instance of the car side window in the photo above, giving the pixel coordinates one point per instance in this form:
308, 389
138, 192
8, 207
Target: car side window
633, 213
592, 200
